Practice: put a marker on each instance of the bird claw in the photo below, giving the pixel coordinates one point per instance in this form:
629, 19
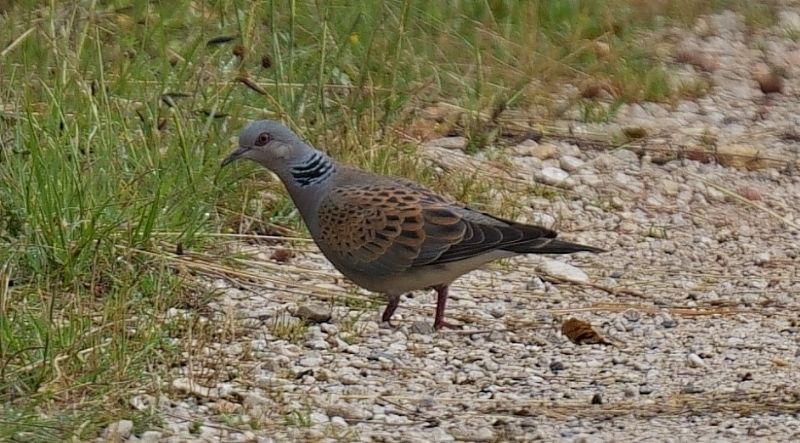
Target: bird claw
444, 324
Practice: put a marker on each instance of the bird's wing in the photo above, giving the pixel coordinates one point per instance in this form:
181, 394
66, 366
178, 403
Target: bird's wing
386, 228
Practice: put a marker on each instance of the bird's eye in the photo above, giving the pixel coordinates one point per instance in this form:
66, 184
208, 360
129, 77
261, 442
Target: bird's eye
262, 139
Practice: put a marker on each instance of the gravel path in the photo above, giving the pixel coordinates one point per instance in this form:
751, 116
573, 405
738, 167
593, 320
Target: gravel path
698, 297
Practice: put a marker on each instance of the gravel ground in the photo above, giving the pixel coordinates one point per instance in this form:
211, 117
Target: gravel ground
698, 298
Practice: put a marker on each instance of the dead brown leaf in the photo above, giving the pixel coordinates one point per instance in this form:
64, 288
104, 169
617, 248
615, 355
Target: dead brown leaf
770, 83
581, 333
750, 193
701, 61
740, 156
282, 255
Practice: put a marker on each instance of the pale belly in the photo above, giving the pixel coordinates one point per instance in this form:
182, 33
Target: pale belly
424, 277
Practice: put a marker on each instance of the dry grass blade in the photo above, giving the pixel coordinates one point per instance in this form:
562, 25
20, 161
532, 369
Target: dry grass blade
280, 238
608, 289
677, 404
652, 309
247, 81
17, 41
745, 201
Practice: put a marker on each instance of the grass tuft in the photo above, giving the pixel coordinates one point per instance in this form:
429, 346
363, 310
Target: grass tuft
288, 328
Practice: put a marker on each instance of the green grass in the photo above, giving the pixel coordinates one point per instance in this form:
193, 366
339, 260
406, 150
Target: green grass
113, 121
288, 328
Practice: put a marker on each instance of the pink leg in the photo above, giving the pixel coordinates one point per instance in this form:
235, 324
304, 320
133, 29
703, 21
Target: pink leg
394, 300
441, 302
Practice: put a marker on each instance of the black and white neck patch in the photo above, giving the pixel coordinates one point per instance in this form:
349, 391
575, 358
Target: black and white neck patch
316, 169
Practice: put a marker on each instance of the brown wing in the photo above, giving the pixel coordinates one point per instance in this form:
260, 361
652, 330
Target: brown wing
388, 228
383, 228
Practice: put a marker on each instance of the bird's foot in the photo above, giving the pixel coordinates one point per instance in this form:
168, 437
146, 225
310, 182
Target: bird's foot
441, 302
386, 317
437, 325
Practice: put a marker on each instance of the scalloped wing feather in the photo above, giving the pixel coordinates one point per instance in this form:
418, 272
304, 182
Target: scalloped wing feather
387, 228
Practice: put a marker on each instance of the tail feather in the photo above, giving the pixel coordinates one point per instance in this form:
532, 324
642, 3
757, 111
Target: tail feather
551, 247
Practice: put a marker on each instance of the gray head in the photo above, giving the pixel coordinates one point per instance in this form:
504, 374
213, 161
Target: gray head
270, 144
275, 147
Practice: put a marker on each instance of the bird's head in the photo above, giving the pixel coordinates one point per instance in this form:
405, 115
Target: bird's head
270, 144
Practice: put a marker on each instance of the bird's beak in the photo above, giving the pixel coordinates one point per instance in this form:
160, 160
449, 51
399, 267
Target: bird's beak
235, 155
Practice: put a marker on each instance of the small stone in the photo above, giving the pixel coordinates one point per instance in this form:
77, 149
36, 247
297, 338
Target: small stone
732, 432
632, 315
329, 329
628, 227
543, 219
531, 148
150, 437
694, 361
669, 323
645, 390
476, 435
349, 379
312, 360
422, 328
543, 152
226, 407
497, 336
688, 106
208, 433
348, 411
789, 20
570, 163
762, 258
669, 187
626, 156
535, 284
339, 421
447, 143
314, 313
317, 418
557, 366
552, 176
524, 147
601, 49
563, 271
568, 149
119, 430
252, 400
318, 344
628, 182
692, 389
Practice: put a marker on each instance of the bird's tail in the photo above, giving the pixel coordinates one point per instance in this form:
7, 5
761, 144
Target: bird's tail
551, 247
